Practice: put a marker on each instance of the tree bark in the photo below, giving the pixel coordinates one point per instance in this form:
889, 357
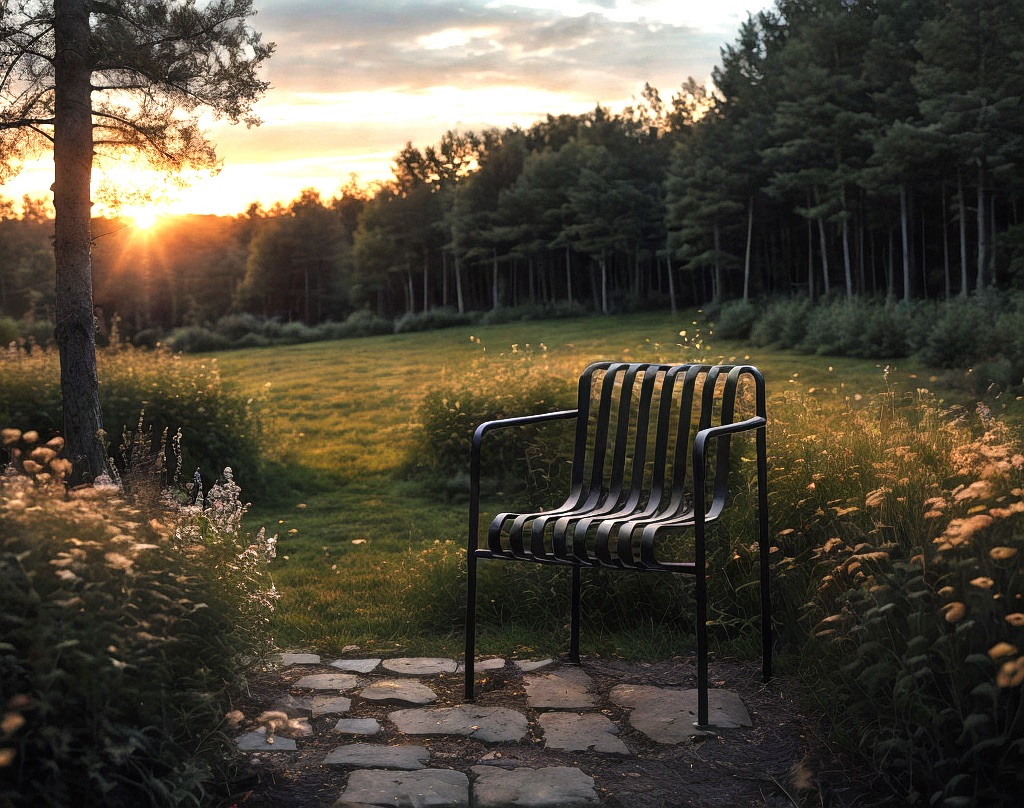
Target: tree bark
568, 275
494, 280
981, 226
72, 246
905, 235
746, 257
459, 299
963, 233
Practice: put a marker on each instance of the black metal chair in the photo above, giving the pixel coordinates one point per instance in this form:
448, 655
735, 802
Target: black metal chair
643, 440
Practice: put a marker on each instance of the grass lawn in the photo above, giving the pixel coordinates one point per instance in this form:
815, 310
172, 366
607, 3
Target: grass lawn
357, 540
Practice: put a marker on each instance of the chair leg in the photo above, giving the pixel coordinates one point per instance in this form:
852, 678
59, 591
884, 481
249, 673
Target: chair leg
763, 551
469, 659
574, 618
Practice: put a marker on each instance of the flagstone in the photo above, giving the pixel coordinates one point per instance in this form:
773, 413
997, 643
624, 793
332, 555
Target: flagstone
300, 659
489, 724
430, 788
420, 666
327, 681
356, 665
580, 732
357, 726
566, 689
667, 715
378, 756
523, 787
257, 741
328, 705
399, 691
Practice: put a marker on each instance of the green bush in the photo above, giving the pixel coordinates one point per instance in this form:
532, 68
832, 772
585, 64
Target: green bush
783, 324
736, 319
196, 339
519, 385
363, 323
431, 320
220, 427
125, 627
962, 334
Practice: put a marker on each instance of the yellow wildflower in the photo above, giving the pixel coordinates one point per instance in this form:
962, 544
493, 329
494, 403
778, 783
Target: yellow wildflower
954, 612
1002, 649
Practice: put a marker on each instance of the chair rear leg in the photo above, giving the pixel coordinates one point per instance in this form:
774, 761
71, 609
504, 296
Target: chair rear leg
470, 624
574, 618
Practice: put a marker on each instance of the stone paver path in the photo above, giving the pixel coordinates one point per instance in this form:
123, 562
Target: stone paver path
554, 707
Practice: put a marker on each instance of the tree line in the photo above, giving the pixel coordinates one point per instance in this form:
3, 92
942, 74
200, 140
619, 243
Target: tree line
846, 148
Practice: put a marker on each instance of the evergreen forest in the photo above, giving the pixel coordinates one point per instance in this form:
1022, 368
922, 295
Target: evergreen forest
846, 149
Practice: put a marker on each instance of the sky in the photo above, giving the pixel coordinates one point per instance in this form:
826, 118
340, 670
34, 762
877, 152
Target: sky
352, 81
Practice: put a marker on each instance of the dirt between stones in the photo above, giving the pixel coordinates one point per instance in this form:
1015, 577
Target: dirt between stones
784, 759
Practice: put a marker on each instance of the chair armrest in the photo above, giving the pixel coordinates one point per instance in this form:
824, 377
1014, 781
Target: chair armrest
521, 420
700, 456
700, 448
474, 458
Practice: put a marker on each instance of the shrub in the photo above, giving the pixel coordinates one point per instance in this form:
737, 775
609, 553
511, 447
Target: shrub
235, 326
783, 324
363, 323
518, 384
219, 425
736, 319
120, 651
962, 334
431, 320
196, 339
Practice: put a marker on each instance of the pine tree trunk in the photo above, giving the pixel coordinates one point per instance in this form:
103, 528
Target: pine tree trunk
947, 280
604, 284
671, 284
426, 281
905, 235
72, 246
823, 242
981, 226
963, 234
716, 292
459, 299
746, 257
494, 279
568, 276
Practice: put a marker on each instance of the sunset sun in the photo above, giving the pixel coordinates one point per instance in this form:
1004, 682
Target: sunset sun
144, 218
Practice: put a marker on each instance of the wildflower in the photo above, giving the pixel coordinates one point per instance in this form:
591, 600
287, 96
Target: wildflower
954, 612
1002, 649
10, 436
6, 757
981, 489
877, 497
983, 582
1011, 674
1016, 619
959, 531
1002, 553
11, 723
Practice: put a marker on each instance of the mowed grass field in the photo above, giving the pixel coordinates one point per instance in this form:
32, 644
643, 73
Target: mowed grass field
366, 552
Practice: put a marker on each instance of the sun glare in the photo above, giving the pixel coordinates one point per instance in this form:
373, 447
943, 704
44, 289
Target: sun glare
144, 218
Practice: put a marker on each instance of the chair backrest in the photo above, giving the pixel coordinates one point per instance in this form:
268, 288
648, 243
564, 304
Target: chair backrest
636, 424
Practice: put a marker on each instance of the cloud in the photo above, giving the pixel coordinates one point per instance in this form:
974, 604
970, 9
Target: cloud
358, 46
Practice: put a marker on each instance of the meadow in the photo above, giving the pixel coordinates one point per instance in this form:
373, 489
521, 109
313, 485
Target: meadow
358, 530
